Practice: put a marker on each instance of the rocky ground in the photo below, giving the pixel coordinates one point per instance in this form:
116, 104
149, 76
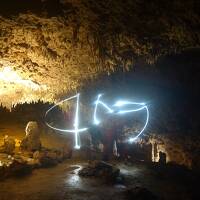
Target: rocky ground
23, 162
48, 173
140, 181
21, 151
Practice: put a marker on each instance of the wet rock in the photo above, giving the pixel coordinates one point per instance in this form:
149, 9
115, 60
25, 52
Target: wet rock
27, 158
22, 162
20, 158
48, 158
100, 169
33, 162
52, 154
8, 145
31, 142
139, 193
47, 161
18, 169
14, 167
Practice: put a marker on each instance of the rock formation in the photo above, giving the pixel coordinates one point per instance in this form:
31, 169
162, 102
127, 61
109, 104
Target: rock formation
100, 169
8, 145
182, 150
31, 141
52, 47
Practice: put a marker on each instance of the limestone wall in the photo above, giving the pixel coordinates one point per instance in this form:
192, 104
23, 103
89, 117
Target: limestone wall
181, 150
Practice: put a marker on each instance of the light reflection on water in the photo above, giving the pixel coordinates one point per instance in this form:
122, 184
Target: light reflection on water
74, 180
120, 186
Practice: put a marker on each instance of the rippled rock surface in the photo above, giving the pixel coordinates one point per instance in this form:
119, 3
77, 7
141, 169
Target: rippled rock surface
100, 169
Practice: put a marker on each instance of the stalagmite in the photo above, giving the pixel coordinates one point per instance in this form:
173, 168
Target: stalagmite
32, 139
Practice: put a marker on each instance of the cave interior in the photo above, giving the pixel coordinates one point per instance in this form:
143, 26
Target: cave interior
99, 99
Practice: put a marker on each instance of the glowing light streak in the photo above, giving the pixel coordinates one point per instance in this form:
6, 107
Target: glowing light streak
97, 102
115, 110
76, 130
123, 103
76, 123
146, 122
128, 111
119, 104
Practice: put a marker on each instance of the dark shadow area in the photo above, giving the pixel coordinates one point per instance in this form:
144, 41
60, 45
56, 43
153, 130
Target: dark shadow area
51, 7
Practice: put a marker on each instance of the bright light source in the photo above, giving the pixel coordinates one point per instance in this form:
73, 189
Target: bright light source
77, 147
10, 76
132, 139
96, 122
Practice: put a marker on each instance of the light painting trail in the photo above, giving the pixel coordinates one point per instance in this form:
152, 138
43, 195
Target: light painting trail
96, 121
115, 109
120, 104
123, 103
76, 130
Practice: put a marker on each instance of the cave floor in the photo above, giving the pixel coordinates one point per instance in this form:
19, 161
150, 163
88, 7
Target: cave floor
63, 182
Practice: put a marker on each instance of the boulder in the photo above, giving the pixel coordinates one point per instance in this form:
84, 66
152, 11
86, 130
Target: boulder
8, 145
13, 166
46, 158
31, 142
25, 158
23, 162
100, 169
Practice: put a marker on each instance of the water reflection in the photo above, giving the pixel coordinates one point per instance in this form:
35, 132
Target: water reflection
74, 180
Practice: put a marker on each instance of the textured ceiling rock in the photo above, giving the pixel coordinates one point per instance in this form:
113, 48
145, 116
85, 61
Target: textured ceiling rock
52, 47
42, 50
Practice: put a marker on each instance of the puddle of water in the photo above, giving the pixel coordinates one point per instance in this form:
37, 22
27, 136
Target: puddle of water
119, 186
73, 180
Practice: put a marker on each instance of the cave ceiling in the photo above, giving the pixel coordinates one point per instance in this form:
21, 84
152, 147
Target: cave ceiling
51, 48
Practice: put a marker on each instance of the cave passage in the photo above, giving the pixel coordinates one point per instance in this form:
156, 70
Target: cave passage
99, 100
